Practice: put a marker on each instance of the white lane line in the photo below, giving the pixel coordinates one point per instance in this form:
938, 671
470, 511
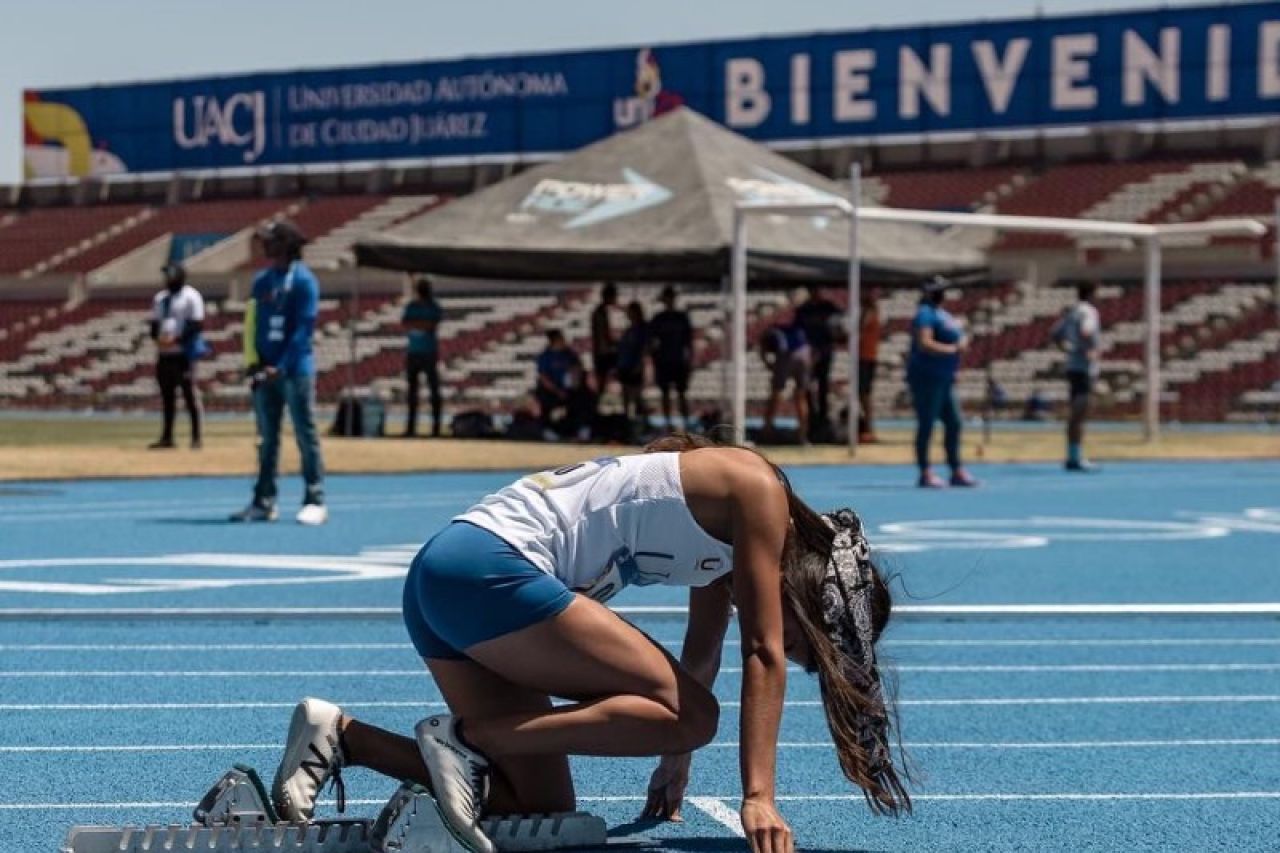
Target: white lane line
1092, 668
797, 703
224, 614
675, 643
907, 611
1189, 641
786, 798
723, 744
720, 812
205, 648
728, 670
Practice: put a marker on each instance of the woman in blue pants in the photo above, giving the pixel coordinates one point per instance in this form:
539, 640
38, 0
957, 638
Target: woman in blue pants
936, 343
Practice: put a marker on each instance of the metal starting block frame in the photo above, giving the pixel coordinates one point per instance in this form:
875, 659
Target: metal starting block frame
237, 815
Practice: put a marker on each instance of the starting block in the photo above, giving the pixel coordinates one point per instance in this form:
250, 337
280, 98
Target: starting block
237, 815
412, 823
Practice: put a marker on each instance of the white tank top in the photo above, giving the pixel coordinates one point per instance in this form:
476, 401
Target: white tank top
602, 525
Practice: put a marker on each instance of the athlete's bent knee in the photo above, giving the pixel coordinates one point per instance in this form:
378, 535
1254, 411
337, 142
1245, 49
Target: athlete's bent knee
698, 718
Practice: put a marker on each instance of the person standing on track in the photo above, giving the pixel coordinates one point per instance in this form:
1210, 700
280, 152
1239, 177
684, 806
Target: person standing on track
868, 356
177, 318
785, 351
506, 606
286, 296
671, 342
604, 342
1078, 332
421, 320
937, 340
816, 316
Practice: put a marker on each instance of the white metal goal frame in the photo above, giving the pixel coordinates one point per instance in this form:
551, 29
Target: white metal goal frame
1150, 236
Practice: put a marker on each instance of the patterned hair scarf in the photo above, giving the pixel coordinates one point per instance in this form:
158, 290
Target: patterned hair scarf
846, 613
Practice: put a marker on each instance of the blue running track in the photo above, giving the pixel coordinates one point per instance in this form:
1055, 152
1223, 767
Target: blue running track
1055, 730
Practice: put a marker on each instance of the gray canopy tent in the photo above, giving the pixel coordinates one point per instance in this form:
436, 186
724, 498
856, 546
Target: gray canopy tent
655, 204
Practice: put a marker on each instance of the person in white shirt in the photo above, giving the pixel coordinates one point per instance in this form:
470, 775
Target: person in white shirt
1078, 333
506, 606
177, 318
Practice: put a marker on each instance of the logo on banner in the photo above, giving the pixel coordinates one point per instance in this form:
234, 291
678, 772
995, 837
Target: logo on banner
592, 203
650, 99
770, 186
240, 121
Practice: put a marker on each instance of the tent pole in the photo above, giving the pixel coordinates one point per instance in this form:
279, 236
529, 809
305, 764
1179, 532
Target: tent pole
855, 304
1276, 296
1151, 419
726, 289
738, 271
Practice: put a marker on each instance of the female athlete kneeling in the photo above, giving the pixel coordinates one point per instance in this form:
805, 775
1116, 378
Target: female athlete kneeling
505, 606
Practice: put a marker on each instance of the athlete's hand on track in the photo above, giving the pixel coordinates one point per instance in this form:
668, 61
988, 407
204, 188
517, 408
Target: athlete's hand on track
667, 786
765, 829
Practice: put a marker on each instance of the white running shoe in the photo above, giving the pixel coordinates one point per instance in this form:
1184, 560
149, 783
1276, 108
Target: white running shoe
312, 756
313, 515
256, 512
459, 779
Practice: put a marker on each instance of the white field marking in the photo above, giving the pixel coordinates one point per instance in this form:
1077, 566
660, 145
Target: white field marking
1058, 529
720, 811
796, 703
721, 744
786, 798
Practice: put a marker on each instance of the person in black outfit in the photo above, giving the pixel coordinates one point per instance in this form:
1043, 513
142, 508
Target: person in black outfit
421, 320
814, 316
604, 343
177, 316
671, 344
632, 347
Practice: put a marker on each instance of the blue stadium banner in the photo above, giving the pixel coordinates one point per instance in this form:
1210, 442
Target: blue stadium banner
1189, 64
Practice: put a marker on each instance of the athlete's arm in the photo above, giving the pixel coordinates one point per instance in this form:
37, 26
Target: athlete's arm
759, 520
709, 611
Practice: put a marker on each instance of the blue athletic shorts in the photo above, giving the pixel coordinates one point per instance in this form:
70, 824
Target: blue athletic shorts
468, 585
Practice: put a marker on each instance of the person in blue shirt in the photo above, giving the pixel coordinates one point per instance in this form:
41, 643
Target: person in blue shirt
421, 320
562, 385
937, 340
286, 297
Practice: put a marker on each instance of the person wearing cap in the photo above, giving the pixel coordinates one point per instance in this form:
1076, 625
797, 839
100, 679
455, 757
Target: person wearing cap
937, 340
671, 343
287, 297
508, 605
421, 319
177, 315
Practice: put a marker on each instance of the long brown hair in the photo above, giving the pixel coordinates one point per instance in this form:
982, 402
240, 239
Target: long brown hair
806, 554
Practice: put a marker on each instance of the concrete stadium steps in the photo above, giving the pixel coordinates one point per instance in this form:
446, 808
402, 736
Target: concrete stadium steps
1220, 346
332, 248
948, 189
38, 240
1124, 191
222, 217
320, 216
